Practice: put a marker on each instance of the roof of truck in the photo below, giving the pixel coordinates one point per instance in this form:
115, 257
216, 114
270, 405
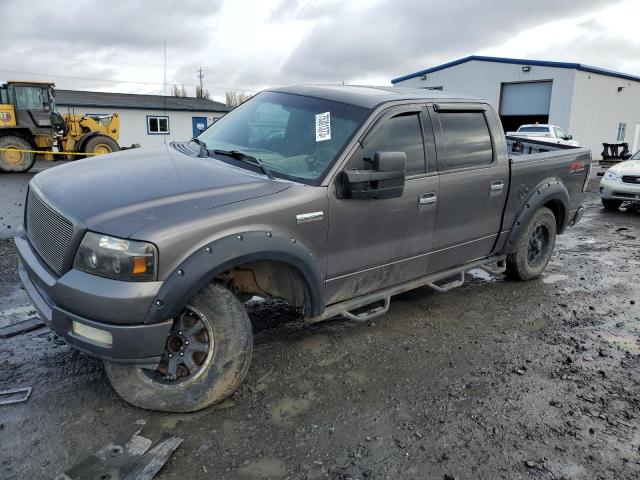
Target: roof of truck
369, 96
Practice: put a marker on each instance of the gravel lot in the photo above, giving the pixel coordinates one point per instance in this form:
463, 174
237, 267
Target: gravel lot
493, 380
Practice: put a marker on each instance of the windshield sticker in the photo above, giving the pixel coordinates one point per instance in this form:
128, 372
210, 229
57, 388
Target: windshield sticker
323, 126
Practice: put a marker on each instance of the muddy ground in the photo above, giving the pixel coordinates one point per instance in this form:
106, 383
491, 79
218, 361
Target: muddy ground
493, 380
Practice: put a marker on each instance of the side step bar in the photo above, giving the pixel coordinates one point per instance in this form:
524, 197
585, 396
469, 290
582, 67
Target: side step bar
494, 265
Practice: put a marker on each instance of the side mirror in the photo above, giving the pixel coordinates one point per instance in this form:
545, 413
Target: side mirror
385, 180
569, 137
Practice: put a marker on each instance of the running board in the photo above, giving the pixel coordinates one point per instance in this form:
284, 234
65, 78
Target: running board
371, 313
347, 307
448, 286
497, 268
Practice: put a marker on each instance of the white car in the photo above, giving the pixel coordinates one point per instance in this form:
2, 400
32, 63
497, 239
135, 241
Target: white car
544, 133
621, 183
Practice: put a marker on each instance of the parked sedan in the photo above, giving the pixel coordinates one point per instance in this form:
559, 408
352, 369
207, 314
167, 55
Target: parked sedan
621, 183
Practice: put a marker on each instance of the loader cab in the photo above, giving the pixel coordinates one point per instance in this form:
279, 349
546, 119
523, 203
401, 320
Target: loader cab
33, 103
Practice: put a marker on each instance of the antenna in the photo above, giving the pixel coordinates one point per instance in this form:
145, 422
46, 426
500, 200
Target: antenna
164, 87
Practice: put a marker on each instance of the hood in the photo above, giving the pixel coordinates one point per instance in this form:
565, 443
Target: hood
628, 167
121, 193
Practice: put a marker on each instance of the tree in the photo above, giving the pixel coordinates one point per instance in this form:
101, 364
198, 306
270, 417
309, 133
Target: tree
179, 91
233, 99
202, 92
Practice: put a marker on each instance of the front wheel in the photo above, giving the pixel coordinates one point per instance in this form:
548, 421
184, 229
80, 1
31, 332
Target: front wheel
534, 247
206, 357
100, 145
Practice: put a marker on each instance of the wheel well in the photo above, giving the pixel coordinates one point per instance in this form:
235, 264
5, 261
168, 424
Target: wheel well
559, 212
18, 132
269, 279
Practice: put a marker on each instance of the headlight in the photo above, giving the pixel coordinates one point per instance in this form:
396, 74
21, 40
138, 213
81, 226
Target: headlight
117, 258
611, 176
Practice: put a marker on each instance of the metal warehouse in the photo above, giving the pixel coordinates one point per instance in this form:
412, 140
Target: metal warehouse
147, 120
593, 104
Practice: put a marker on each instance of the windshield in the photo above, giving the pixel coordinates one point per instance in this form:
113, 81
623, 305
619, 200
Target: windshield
533, 129
296, 137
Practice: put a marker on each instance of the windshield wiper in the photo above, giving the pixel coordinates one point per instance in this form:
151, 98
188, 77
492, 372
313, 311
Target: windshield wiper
243, 157
203, 147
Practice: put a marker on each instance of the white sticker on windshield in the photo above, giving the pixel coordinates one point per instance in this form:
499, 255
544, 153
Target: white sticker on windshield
323, 126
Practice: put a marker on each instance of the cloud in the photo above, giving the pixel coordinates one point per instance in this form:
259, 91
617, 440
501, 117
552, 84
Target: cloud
253, 44
398, 36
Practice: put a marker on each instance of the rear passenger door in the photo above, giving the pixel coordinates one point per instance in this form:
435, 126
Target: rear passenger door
473, 183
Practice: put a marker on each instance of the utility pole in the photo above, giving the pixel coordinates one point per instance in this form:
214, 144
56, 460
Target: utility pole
200, 77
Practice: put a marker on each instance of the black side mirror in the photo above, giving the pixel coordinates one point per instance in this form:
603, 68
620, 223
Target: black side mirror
569, 137
386, 180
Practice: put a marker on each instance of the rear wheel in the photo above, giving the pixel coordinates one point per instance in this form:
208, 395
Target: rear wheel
206, 357
12, 159
611, 204
534, 248
100, 145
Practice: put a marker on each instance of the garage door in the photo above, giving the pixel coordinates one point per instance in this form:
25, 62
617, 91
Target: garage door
532, 98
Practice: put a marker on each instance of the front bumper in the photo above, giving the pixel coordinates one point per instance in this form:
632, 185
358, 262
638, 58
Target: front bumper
118, 308
617, 190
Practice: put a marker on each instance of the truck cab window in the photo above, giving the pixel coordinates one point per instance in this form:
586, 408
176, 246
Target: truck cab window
31, 98
399, 134
466, 138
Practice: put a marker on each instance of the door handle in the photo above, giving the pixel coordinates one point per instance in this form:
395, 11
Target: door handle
427, 198
497, 185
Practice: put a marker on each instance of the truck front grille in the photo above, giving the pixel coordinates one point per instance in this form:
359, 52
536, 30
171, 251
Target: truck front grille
48, 231
631, 179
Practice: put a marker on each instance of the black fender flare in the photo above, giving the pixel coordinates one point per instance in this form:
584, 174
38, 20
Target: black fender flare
223, 254
549, 190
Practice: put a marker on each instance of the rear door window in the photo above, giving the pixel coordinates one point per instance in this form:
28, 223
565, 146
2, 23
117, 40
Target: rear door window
466, 141
401, 133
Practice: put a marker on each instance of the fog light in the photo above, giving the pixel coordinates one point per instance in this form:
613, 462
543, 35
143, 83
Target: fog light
95, 334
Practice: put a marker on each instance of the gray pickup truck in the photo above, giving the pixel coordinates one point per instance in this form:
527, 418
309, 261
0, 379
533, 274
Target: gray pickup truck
334, 198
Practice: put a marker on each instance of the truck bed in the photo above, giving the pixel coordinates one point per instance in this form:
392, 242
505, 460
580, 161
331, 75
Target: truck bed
570, 165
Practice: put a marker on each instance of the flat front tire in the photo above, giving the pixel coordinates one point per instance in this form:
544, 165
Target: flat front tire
534, 247
205, 360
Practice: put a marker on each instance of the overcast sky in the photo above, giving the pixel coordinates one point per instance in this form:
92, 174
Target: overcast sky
247, 45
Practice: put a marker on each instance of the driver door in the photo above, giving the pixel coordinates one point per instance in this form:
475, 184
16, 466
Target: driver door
374, 243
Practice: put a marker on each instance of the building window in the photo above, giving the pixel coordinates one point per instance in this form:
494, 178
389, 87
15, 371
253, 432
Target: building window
157, 125
622, 129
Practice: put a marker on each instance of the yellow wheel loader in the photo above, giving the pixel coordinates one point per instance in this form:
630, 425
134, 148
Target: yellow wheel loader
30, 125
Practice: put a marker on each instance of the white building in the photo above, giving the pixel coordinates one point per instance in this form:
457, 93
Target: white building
147, 120
592, 104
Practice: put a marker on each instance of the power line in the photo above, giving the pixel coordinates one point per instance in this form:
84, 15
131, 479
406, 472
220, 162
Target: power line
133, 82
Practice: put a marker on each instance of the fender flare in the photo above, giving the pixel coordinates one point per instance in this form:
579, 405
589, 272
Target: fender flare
549, 190
223, 254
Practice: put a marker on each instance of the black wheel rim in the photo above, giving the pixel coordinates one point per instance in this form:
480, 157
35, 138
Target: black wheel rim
187, 351
538, 246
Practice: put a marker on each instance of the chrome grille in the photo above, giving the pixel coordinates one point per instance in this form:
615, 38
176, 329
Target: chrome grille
48, 231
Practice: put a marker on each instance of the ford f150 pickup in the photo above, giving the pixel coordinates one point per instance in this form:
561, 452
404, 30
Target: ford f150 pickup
544, 133
334, 198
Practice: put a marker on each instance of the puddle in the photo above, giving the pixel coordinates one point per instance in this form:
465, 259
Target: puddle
627, 342
314, 344
359, 377
264, 468
480, 274
537, 324
287, 408
554, 278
